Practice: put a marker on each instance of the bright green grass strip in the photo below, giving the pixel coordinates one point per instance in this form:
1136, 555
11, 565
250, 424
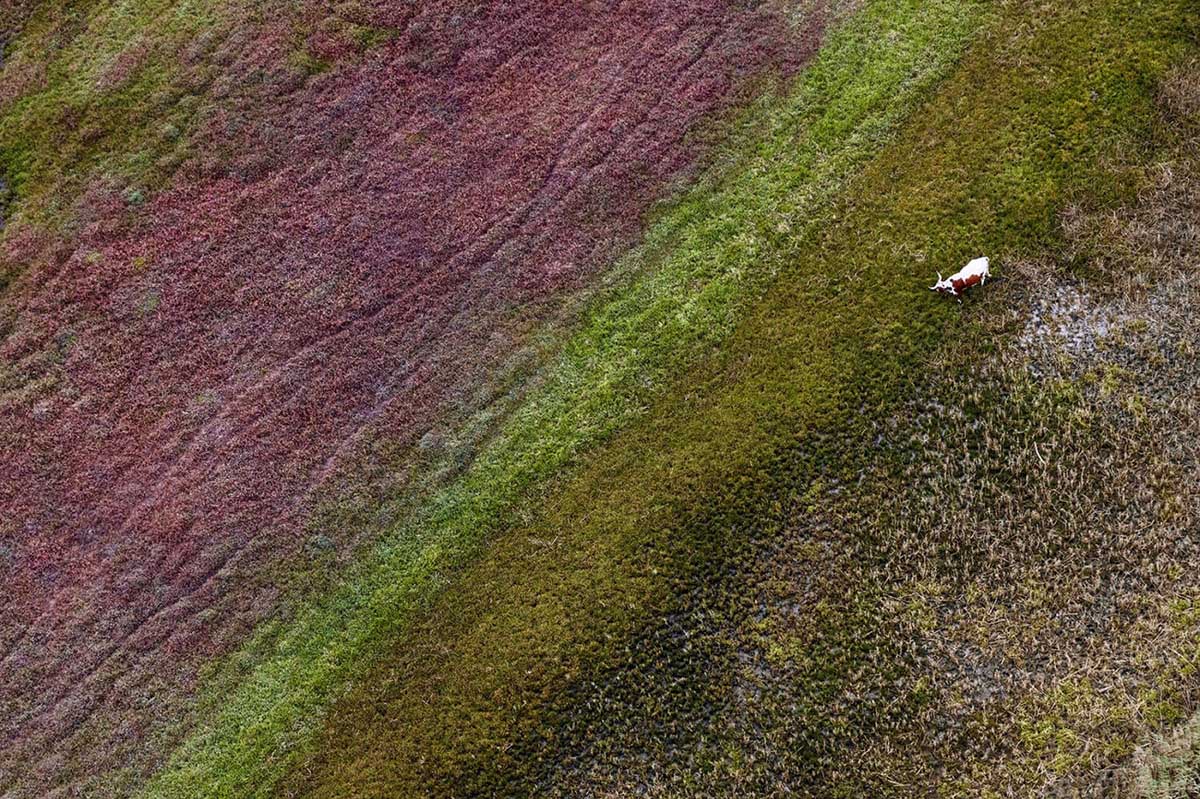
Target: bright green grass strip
703, 261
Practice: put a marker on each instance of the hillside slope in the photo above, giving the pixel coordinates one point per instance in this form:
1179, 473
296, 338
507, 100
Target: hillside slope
252, 253
544, 398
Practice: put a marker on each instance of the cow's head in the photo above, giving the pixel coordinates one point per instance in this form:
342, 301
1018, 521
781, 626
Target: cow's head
944, 286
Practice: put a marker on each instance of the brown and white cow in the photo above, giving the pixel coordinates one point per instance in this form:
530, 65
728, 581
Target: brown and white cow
973, 274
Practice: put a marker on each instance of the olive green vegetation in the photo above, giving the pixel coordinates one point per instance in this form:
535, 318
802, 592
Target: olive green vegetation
114, 89
95, 89
989, 591
672, 301
1046, 109
1038, 113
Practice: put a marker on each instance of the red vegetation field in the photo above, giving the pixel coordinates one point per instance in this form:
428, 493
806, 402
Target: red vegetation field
350, 253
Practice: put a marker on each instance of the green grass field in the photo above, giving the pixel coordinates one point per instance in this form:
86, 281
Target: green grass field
761, 514
1047, 109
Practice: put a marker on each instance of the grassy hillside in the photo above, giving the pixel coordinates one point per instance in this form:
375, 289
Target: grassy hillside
749, 511
487, 678
1042, 116
260, 256
629, 343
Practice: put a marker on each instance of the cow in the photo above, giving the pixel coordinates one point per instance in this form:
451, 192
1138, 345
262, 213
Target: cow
973, 274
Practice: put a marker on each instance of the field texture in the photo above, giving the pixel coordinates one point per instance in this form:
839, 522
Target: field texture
353, 242
539, 398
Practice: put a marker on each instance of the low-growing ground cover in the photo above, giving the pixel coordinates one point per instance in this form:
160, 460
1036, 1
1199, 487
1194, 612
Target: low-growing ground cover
498, 686
248, 244
731, 537
682, 303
